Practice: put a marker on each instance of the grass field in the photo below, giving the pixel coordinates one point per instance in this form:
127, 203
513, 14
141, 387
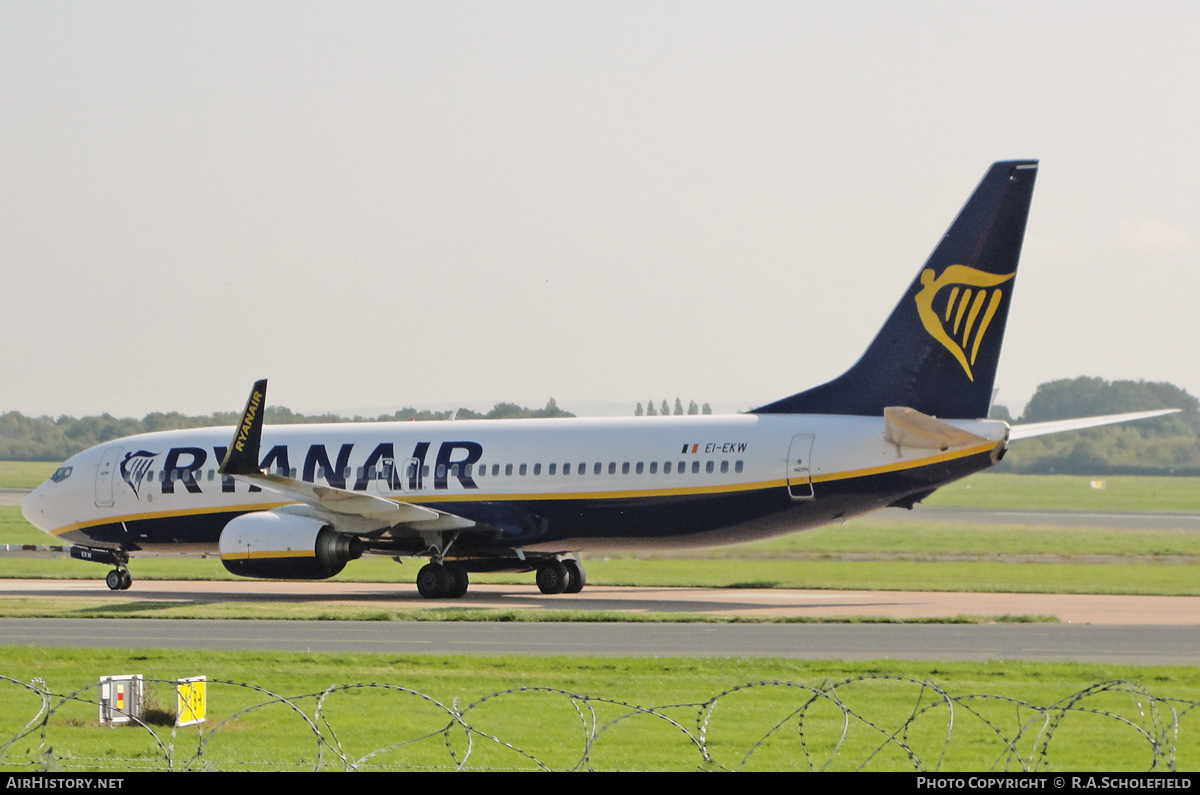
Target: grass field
649, 714
796, 725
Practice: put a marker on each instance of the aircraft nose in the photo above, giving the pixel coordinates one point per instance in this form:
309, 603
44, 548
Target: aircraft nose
33, 508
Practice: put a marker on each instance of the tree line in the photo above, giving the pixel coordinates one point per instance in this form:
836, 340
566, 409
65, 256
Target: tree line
1168, 445
45, 438
651, 411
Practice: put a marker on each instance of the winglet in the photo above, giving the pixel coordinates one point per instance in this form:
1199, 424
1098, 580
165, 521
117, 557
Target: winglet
242, 457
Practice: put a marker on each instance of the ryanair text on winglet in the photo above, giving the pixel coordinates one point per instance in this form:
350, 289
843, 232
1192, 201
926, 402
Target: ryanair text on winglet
248, 420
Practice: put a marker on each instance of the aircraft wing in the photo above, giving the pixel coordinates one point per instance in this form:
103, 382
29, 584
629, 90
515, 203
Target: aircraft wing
1057, 426
351, 511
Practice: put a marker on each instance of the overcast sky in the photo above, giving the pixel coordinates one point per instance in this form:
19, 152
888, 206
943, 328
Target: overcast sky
441, 204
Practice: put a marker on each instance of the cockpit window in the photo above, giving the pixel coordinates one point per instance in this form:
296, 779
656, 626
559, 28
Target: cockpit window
61, 474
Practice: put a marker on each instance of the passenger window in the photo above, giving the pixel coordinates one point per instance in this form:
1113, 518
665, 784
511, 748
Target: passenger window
612, 467
551, 469
666, 467
709, 467
508, 470
582, 468
522, 470
454, 470
566, 469
441, 471
724, 467
537, 469
695, 467
639, 467
596, 469
495, 470
737, 467
653, 467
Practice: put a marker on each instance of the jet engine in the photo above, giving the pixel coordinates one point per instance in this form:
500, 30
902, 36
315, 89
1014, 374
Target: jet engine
290, 547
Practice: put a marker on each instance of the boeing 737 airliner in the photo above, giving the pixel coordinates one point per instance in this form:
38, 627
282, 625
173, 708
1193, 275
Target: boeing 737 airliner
301, 501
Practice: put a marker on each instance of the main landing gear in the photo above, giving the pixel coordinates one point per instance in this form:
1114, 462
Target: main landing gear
561, 576
442, 581
438, 580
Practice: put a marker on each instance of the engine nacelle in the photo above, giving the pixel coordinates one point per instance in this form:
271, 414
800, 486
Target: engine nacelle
267, 544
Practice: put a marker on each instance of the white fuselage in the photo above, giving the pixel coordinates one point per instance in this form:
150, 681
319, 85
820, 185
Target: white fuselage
132, 492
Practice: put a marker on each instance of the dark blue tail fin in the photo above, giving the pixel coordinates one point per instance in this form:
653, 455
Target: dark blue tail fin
938, 351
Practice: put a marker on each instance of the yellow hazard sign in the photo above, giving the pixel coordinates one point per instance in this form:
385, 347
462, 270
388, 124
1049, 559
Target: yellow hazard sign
191, 701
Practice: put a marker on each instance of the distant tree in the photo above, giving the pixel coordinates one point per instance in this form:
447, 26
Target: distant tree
1163, 445
1083, 397
706, 409
665, 409
999, 412
638, 412
678, 407
693, 408
650, 410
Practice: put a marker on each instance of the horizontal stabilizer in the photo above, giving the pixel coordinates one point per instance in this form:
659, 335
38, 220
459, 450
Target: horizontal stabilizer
1058, 426
907, 427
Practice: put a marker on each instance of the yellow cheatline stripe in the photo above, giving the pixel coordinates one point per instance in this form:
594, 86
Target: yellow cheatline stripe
900, 466
291, 553
421, 499
427, 499
135, 517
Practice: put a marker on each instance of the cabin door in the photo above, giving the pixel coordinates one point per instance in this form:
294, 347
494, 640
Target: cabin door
799, 469
104, 477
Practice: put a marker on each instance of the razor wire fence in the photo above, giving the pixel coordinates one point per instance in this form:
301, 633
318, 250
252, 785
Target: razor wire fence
869, 722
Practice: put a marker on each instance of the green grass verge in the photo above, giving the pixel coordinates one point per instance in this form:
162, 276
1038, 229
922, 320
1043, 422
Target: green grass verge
114, 606
25, 474
1072, 493
648, 713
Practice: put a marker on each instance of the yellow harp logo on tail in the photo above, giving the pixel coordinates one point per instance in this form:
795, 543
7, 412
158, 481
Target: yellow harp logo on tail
971, 302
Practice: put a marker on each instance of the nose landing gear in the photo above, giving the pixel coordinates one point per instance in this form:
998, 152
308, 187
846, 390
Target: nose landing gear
119, 579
